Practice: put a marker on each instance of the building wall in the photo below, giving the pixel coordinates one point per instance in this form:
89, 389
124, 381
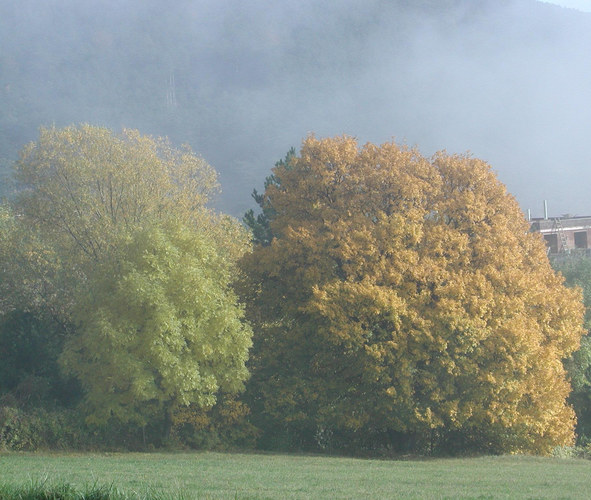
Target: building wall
576, 233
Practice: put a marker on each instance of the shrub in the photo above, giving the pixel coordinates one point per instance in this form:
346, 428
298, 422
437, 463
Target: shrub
224, 426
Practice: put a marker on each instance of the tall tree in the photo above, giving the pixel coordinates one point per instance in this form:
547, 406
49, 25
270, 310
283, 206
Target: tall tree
159, 328
402, 299
121, 247
84, 184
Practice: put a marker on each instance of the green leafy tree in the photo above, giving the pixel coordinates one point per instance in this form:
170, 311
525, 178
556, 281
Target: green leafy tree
84, 185
260, 224
402, 302
79, 189
577, 272
159, 328
111, 234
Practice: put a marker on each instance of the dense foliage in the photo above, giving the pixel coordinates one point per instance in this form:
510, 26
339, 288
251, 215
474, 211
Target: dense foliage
113, 267
159, 328
401, 302
576, 269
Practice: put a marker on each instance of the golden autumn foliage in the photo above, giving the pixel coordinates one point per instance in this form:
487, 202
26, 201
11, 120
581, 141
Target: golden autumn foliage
403, 298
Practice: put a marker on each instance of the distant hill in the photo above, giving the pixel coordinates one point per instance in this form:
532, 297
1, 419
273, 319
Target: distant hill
242, 82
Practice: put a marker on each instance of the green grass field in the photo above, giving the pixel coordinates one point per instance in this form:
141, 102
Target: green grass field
252, 476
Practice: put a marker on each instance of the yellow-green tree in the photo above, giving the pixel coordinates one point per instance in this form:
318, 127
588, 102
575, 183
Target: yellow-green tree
122, 249
85, 184
159, 328
401, 301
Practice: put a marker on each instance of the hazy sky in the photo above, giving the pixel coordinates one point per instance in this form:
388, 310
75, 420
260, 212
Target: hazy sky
507, 80
583, 5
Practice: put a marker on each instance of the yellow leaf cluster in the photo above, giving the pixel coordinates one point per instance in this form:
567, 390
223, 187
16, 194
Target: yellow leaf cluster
407, 293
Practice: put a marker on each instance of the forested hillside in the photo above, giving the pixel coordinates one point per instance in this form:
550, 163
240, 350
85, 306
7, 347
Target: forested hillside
241, 82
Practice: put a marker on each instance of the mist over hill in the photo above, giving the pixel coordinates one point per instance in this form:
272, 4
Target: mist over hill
242, 82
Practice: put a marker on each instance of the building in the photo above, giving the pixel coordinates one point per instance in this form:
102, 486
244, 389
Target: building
565, 234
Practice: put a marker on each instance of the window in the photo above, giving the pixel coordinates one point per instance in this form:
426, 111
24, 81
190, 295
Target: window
581, 239
552, 242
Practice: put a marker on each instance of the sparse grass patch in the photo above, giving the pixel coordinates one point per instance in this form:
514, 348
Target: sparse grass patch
269, 476
42, 490
49, 490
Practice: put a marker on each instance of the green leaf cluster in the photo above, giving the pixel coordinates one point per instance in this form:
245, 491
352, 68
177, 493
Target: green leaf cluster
576, 269
159, 328
109, 237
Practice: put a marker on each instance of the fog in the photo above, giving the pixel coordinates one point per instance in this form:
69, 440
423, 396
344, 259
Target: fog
243, 81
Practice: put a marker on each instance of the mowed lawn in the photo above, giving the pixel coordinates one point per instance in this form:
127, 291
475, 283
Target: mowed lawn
257, 476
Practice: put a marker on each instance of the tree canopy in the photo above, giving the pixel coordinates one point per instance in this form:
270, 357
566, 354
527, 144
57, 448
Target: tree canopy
87, 184
402, 300
110, 236
159, 328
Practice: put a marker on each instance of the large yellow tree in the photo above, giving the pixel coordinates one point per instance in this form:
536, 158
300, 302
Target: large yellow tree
400, 301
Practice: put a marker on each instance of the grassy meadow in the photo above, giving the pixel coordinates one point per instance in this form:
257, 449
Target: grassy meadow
269, 476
